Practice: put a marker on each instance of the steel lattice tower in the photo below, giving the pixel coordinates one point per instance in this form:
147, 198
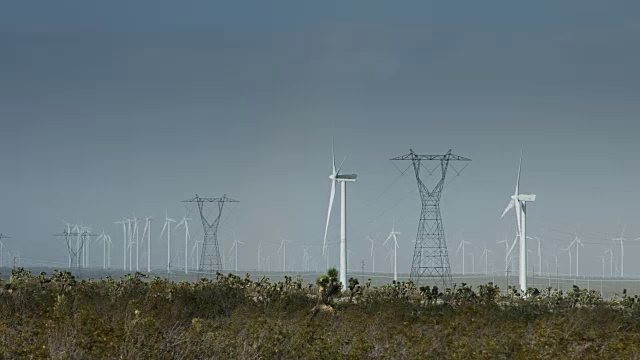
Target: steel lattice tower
430, 257
210, 258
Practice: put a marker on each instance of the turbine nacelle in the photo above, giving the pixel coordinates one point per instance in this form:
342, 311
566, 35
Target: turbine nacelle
343, 177
523, 197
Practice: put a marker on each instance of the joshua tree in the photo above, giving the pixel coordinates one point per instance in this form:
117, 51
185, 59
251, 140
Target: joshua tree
328, 287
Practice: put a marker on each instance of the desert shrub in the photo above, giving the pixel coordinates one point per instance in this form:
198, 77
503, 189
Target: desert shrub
137, 317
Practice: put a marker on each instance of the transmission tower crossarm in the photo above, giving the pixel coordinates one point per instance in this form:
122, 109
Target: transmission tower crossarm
201, 199
413, 156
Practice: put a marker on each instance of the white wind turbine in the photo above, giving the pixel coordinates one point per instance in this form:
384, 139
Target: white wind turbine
578, 243
235, 245
124, 241
106, 250
506, 253
167, 227
610, 251
539, 253
519, 202
342, 179
283, 247
568, 249
393, 234
622, 239
147, 232
602, 257
373, 255
461, 247
485, 255
185, 222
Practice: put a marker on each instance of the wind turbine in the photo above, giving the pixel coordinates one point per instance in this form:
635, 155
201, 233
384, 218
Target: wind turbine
622, 239
342, 179
568, 249
283, 247
602, 257
461, 246
124, 241
185, 223
167, 227
578, 243
610, 261
485, 255
519, 202
373, 257
147, 231
539, 253
393, 234
506, 253
235, 245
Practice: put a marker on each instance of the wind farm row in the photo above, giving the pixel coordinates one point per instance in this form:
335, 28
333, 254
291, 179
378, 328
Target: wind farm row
176, 250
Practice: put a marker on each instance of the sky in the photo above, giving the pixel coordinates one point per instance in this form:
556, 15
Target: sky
111, 109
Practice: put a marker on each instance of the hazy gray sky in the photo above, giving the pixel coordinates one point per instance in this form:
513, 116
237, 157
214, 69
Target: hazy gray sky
125, 108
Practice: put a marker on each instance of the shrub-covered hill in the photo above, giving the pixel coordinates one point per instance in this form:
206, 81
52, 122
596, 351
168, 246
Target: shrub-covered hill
239, 318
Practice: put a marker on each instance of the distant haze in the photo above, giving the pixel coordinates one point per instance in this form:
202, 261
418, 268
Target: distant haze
126, 108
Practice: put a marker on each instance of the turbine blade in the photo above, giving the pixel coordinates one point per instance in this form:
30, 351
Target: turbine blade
333, 157
340, 167
518, 180
326, 227
509, 207
390, 235
513, 245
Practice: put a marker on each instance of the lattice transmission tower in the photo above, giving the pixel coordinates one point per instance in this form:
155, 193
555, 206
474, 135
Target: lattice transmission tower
210, 258
75, 239
430, 257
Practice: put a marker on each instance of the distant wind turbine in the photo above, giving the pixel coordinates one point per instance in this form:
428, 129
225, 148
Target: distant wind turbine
568, 249
167, 227
393, 234
373, 257
283, 247
185, 223
461, 247
485, 255
235, 245
578, 243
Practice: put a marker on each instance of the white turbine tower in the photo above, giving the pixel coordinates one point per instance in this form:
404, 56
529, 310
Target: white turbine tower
568, 249
185, 223
539, 253
393, 234
373, 254
124, 241
147, 232
167, 227
578, 243
519, 202
485, 255
506, 253
622, 239
235, 245
461, 247
343, 179
283, 247
610, 252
